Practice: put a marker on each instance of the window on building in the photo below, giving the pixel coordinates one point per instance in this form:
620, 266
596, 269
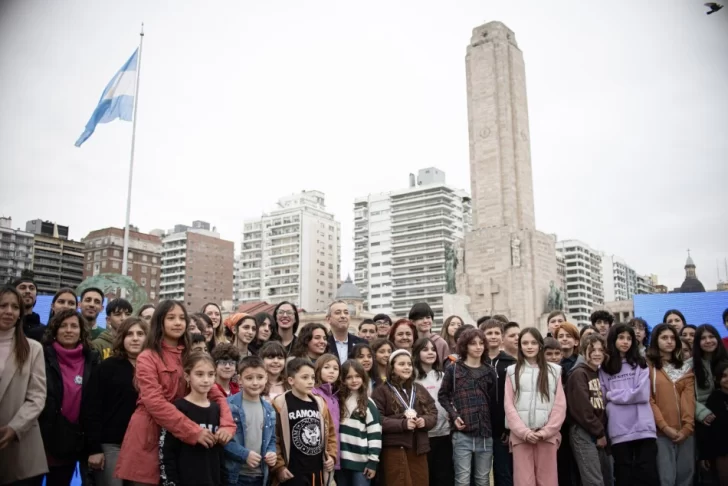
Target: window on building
153, 283
117, 253
143, 281
104, 253
129, 266
154, 270
154, 259
144, 269
130, 255
89, 256
97, 255
115, 265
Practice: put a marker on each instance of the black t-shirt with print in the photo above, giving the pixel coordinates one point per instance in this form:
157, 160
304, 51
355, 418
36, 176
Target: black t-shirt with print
307, 443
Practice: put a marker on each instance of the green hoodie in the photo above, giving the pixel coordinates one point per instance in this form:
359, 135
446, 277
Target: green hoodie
104, 343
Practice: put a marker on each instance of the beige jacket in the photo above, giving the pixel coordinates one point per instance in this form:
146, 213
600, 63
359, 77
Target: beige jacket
22, 398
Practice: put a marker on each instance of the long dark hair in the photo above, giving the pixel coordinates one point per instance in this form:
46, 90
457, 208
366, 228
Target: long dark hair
613, 362
720, 354
64, 290
543, 367
156, 328
118, 350
405, 386
55, 324
420, 345
203, 321
260, 318
219, 333
295, 315
376, 374
300, 348
22, 346
362, 399
653, 352
677, 313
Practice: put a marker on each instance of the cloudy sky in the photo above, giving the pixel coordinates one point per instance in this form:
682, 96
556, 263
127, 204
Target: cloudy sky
246, 102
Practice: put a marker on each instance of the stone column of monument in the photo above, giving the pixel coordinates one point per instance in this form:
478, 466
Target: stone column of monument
508, 265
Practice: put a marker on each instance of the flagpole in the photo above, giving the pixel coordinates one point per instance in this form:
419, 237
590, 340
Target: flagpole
125, 260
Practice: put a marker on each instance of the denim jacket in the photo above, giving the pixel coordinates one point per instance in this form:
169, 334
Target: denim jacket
235, 451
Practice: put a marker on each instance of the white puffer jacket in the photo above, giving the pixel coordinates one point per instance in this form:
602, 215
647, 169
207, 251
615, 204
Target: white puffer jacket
534, 412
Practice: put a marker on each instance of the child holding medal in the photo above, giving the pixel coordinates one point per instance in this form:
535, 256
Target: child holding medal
408, 413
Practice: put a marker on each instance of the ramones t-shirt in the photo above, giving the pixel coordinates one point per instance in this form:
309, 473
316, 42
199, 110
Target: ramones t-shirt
307, 442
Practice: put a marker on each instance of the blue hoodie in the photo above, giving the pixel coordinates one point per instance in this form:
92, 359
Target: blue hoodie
629, 414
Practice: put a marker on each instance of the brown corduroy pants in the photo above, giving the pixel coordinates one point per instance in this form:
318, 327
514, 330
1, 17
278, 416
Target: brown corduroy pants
401, 466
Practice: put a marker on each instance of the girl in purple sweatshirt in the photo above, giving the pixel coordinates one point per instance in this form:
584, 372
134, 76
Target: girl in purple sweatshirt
327, 379
625, 380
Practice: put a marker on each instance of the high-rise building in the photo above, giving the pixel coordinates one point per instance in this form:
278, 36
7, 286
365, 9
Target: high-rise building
292, 253
620, 280
509, 265
16, 251
197, 266
104, 250
57, 261
646, 284
584, 280
400, 242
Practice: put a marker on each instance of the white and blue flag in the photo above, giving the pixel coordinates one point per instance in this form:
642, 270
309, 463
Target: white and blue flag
117, 100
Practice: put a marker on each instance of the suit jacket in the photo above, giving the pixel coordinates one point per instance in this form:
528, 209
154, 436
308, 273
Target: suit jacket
352, 341
22, 398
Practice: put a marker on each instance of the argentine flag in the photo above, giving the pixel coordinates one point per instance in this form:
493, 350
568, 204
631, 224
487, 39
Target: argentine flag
117, 101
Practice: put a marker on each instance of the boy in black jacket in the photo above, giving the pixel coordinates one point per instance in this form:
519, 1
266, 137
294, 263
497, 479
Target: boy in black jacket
499, 360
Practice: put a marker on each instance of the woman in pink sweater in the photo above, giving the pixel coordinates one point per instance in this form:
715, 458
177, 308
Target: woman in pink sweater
160, 379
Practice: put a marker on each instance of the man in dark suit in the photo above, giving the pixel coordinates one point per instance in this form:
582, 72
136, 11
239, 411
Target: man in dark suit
341, 341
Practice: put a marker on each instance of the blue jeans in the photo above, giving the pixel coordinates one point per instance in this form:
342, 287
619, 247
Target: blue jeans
244, 480
347, 477
465, 448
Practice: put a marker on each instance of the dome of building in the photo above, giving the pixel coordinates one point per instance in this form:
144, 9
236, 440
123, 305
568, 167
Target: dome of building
348, 291
691, 283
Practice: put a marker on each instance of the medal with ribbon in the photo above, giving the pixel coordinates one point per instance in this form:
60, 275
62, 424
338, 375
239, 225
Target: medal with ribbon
409, 408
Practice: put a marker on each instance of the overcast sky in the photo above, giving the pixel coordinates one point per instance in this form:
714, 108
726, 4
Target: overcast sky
244, 104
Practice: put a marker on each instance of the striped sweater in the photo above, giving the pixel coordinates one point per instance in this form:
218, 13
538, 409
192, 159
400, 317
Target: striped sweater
360, 438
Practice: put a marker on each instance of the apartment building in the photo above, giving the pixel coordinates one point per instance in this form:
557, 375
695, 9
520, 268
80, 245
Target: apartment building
292, 253
16, 251
400, 240
57, 261
103, 253
584, 279
196, 266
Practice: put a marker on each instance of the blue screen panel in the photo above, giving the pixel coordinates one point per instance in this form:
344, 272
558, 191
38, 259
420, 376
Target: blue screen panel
698, 308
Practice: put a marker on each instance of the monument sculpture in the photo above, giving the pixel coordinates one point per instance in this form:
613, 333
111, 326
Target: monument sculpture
451, 265
555, 300
116, 284
508, 264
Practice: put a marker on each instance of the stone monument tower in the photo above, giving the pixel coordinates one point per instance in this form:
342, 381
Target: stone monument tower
508, 265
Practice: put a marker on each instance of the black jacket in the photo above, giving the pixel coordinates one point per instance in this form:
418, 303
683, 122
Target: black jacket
351, 342
33, 328
111, 402
712, 439
48, 419
498, 411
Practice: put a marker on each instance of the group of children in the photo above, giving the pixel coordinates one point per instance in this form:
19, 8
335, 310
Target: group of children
173, 403
395, 415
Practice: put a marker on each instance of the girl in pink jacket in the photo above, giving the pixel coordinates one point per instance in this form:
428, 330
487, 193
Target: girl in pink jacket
160, 379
